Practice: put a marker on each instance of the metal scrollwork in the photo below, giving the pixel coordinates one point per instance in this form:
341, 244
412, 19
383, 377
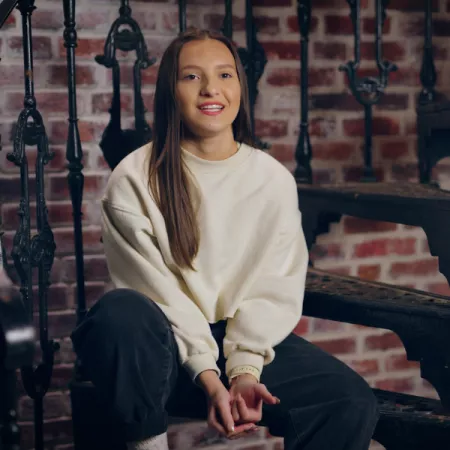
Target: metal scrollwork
125, 35
27, 252
368, 90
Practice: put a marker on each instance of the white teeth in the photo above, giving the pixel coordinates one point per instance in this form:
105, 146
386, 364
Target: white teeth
212, 107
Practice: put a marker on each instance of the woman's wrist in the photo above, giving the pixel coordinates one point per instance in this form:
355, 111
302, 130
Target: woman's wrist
244, 378
208, 380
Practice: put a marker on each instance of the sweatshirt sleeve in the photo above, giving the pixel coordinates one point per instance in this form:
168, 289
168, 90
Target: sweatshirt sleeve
135, 262
273, 305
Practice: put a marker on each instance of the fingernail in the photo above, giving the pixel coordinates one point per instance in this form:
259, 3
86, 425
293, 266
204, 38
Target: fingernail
232, 429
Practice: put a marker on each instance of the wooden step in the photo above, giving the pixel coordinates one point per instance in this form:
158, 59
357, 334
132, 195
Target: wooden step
409, 422
413, 204
421, 320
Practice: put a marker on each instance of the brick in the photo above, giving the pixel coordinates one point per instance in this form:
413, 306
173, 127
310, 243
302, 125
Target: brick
99, 20
337, 346
338, 25
10, 189
42, 47
341, 102
59, 188
422, 267
439, 288
302, 327
345, 271
264, 24
58, 297
271, 128
60, 324
57, 164
89, 131
359, 225
43, 19
322, 176
383, 247
270, 3
405, 172
323, 326
399, 362
292, 24
93, 292
13, 76
282, 152
369, 25
324, 127
393, 102
326, 251
330, 51
391, 51
65, 244
384, 341
411, 5
365, 367
336, 4
385, 126
440, 51
10, 22
101, 102
282, 50
404, 76
95, 269
85, 75
86, 48
56, 404
56, 431
370, 272
402, 385
355, 174
394, 150
65, 355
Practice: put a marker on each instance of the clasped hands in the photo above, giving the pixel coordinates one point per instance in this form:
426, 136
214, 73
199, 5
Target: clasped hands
236, 412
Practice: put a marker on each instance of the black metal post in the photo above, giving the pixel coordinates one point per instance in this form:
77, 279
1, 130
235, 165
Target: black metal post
38, 251
227, 27
303, 151
428, 75
125, 35
182, 15
368, 90
74, 154
254, 61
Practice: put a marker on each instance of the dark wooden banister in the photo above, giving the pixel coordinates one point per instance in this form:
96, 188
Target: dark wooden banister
6, 8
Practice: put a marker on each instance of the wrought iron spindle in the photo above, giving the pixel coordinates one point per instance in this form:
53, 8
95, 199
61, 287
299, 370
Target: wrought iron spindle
368, 90
428, 75
117, 143
74, 154
254, 61
303, 152
38, 251
182, 15
227, 26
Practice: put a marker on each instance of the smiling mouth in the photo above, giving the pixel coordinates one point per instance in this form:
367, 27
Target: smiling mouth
211, 110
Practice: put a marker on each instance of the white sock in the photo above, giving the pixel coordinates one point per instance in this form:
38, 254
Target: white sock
154, 443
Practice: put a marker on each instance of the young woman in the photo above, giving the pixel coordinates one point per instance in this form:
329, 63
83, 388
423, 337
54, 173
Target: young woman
204, 243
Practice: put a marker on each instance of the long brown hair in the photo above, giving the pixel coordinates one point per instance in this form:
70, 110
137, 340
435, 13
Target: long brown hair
168, 180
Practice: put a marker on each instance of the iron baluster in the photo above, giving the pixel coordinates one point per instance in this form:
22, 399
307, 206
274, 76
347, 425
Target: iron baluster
74, 154
182, 15
125, 35
303, 151
38, 251
227, 26
368, 90
254, 61
428, 75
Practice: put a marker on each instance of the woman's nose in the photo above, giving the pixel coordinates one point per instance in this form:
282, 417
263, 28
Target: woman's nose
209, 88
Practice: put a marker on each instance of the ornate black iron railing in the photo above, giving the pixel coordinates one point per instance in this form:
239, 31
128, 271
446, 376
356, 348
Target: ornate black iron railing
125, 35
428, 75
303, 151
37, 251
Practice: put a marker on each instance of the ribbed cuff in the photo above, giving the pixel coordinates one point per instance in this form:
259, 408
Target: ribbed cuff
241, 358
197, 364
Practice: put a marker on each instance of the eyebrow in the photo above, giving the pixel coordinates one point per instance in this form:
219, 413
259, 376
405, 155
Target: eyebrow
219, 66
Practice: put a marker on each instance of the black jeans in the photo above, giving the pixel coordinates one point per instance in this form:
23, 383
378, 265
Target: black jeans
128, 350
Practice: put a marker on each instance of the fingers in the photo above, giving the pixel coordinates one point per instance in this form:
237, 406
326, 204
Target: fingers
265, 395
243, 430
234, 411
244, 413
214, 423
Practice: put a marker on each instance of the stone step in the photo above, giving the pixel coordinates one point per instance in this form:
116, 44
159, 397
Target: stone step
414, 204
420, 319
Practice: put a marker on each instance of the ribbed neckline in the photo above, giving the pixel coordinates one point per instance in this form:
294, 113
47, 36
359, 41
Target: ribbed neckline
197, 164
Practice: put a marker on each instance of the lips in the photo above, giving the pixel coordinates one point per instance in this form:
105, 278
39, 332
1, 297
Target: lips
211, 109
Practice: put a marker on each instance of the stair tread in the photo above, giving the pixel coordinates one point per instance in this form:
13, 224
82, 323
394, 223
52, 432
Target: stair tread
374, 295
404, 192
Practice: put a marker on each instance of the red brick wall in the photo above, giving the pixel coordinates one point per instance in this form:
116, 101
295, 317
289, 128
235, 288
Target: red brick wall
376, 251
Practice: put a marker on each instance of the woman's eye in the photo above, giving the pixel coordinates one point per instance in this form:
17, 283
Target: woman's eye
226, 75
191, 76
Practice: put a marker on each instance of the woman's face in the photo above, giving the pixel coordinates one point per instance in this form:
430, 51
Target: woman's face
208, 90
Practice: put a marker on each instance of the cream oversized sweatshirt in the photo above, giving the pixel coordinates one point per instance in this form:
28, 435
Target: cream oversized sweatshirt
251, 264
